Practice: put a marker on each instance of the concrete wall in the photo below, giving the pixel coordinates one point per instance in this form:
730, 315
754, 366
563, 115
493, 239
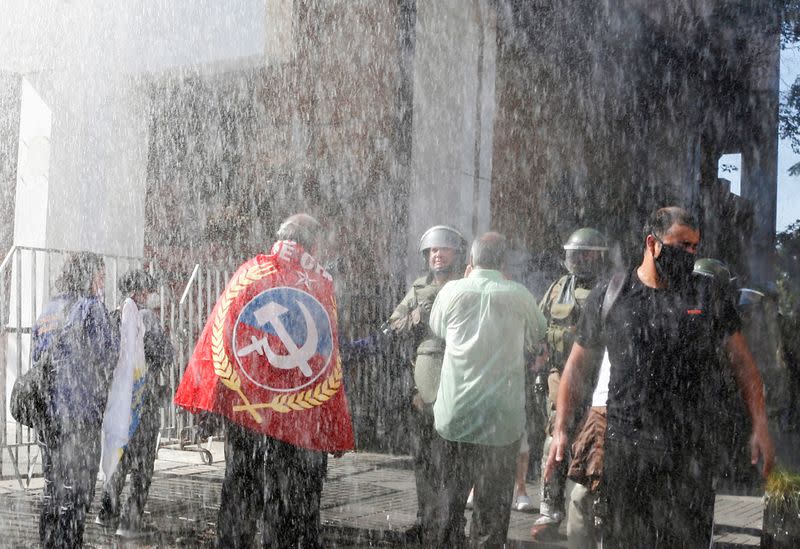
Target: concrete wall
9, 140
600, 123
454, 109
90, 64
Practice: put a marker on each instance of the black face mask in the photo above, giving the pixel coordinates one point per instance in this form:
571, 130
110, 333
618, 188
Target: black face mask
675, 266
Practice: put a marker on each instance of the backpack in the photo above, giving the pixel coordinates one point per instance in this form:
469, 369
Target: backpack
28, 402
613, 290
30, 394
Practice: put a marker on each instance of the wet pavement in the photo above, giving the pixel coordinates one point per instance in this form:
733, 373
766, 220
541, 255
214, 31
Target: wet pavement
368, 501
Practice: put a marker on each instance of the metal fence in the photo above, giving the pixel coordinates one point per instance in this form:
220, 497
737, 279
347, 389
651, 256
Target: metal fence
179, 428
26, 277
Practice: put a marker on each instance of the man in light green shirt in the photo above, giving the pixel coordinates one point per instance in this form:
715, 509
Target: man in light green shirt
490, 326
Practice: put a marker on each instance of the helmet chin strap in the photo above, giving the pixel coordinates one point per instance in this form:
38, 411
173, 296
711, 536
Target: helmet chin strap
585, 278
444, 270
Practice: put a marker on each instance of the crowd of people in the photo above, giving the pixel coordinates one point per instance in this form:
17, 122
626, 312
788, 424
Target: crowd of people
636, 364
629, 360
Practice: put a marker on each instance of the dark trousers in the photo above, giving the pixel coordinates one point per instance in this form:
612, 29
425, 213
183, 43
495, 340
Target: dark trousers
650, 505
138, 460
491, 470
70, 461
426, 450
274, 482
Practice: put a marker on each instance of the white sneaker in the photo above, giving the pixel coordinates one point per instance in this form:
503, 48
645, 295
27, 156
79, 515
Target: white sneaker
555, 518
523, 503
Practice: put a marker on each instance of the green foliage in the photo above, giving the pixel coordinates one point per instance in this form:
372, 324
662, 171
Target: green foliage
789, 111
783, 489
788, 265
790, 23
789, 120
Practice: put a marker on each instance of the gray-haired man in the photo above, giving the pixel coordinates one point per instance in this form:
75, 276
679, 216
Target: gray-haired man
488, 323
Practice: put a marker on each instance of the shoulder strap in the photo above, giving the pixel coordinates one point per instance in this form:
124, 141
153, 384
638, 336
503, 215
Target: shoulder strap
613, 290
548, 295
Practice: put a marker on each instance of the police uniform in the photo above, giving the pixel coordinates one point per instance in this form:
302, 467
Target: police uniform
410, 320
561, 306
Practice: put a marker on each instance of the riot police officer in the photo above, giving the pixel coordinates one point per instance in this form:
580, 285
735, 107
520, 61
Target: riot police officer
585, 261
444, 250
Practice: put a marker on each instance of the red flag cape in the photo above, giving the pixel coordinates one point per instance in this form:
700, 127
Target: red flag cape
268, 357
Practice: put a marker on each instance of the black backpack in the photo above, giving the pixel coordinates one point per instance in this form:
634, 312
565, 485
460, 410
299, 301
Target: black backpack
31, 391
28, 403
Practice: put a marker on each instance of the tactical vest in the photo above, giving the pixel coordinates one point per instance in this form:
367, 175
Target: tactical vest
411, 317
561, 306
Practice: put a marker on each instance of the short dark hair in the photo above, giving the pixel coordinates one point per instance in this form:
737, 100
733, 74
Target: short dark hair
77, 273
137, 280
489, 251
301, 228
662, 219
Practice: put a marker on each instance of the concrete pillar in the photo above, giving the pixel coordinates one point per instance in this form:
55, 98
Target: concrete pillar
82, 165
454, 108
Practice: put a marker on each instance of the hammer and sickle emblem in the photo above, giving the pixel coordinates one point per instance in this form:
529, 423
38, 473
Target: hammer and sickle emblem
298, 357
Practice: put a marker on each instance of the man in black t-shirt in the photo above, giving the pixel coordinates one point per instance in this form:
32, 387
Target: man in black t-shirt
662, 337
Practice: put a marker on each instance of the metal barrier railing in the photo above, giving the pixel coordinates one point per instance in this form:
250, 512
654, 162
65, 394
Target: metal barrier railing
206, 283
26, 276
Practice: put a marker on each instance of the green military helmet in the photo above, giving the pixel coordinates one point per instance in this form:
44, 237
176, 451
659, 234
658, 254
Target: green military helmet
586, 238
749, 299
585, 252
713, 268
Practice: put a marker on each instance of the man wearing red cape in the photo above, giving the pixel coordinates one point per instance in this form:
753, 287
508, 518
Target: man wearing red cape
268, 362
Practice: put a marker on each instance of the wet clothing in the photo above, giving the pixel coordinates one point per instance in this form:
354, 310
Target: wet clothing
586, 468
581, 532
561, 306
139, 455
409, 322
410, 319
74, 340
426, 452
277, 483
275, 459
662, 344
489, 324
490, 469
70, 462
76, 336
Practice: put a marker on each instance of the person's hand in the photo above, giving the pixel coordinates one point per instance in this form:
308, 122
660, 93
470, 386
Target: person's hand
421, 313
558, 448
761, 446
540, 362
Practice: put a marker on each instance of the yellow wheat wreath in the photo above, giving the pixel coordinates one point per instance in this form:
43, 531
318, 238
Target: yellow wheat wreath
302, 400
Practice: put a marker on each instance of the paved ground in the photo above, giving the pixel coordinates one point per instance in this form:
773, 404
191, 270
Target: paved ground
367, 502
